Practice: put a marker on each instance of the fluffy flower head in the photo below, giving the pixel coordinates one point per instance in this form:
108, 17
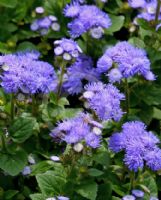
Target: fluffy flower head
27, 74
140, 146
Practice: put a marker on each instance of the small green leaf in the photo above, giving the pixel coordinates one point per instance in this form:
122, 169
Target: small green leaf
88, 190
14, 163
102, 157
37, 196
117, 23
22, 129
137, 42
94, 172
8, 3
10, 193
156, 113
51, 182
26, 46
41, 167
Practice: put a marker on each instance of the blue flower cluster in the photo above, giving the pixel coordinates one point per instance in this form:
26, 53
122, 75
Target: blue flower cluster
148, 8
23, 72
139, 145
81, 70
81, 128
124, 61
104, 100
67, 48
86, 18
45, 23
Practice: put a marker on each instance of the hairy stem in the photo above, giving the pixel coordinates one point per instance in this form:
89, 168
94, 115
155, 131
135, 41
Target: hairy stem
127, 92
132, 181
3, 142
34, 106
157, 12
12, 107
60, 81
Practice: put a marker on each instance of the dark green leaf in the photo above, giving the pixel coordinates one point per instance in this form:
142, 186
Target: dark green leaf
94, 172
22, 129
88, 190
14, 163
117, 23
8, 3
37, 197
51, 182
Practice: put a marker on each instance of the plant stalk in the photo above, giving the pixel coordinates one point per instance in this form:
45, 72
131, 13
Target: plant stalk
157, 12
60, 81
127, 93
12, 107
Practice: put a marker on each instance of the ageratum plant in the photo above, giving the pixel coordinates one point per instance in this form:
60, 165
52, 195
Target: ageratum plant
80, 100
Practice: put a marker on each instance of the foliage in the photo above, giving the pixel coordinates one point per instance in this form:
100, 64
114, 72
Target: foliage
27, 120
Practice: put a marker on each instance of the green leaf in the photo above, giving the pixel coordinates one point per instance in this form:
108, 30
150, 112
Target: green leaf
22, 129
145, 24
51, 182
94, 172
10, 193
104, 191
41, 167
26, 46
117, 23
150, 183
156, 113
8, 3
69, 112
102, 157
88, 190
37, 196
137, 42
14, 163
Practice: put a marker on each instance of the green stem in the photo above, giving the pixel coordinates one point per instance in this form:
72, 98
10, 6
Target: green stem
12, 107
157, 12
127, 92
34, 106
60, 81
132, 181
3, 142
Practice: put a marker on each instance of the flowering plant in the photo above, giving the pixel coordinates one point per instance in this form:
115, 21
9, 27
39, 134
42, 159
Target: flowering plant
80, 100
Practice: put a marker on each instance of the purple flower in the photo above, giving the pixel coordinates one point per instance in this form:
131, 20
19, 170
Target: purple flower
140, 146
68, 48
127, 61
76, 130
44, 24
72, 10
128, 197
105, 101
27, 74
39, 10
86, 18
81, 70
26, 171
114, 75
62, 198
104, 64
154, 198
148, 9
93, 140
137, 4
153, 159
138, 193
